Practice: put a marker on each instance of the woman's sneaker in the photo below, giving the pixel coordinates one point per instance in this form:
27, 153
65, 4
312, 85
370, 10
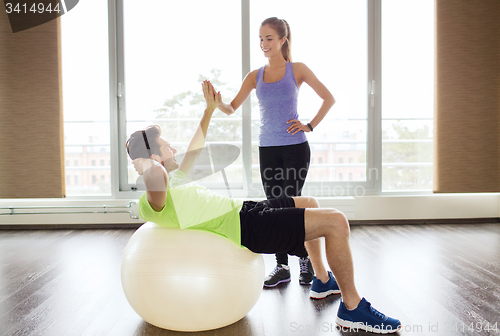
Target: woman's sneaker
306, 271
367, 318
320, 290
281, 273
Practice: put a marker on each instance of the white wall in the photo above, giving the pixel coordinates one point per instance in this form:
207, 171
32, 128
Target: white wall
87, 218
440, 206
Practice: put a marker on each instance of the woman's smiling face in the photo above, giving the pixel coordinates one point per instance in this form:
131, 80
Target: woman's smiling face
270, 43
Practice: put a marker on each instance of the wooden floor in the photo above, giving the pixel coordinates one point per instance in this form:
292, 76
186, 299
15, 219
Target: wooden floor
437, 279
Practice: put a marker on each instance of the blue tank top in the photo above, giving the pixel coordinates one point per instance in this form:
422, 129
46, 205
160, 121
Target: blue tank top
278, 104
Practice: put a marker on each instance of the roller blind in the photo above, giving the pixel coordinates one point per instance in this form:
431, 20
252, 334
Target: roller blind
31, 134
467, 96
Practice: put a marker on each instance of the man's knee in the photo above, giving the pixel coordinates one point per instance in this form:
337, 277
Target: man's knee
339, 224
313, 202
306, 202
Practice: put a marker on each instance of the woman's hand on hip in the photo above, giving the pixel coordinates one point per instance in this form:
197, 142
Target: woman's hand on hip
297, 126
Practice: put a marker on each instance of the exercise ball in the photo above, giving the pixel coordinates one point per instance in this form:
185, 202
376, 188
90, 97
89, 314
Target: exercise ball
189, 280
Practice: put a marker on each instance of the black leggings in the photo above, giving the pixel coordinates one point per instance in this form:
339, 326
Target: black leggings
283, 170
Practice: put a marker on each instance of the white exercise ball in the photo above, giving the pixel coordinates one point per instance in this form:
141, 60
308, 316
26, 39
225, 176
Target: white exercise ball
189, 280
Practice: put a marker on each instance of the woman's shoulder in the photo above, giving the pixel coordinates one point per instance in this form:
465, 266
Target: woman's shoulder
254, 72
301, 70
252, 75
299, 66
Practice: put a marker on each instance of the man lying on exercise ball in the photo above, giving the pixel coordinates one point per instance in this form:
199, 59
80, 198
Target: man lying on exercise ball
269, 226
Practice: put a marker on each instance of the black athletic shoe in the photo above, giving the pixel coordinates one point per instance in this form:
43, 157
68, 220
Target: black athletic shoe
281, 273
306, 271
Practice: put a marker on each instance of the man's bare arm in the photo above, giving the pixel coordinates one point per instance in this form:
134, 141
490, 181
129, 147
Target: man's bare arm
198, 141
155, 180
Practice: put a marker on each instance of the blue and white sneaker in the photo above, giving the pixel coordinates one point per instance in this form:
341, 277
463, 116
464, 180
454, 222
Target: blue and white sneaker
367, 318
320, 290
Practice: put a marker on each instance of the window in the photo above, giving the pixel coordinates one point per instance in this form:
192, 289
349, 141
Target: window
408, 96
159, 73
159, 87
345, 127
86, 104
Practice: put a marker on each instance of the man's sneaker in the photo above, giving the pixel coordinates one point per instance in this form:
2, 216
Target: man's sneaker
306, 271
367, 318
281, 273
320, 290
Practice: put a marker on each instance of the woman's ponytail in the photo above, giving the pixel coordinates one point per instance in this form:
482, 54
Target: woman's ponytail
286, 49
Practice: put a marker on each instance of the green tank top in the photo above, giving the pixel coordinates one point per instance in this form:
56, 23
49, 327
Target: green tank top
192, 206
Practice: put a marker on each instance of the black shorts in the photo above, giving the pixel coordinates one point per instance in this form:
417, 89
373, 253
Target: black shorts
273, 226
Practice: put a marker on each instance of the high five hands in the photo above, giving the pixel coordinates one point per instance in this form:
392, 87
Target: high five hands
212, 97
208, 89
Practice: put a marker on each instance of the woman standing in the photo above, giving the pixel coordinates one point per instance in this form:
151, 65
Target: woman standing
284, 152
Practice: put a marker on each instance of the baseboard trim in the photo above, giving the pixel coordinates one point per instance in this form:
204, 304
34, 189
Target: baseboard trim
489, 220
70, 226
